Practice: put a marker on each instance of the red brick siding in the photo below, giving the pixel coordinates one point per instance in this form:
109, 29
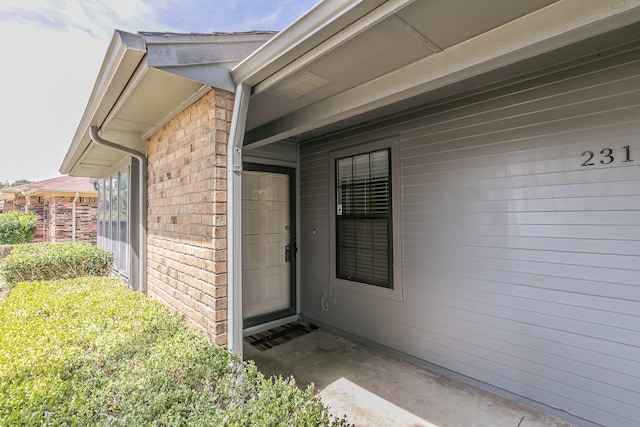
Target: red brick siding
187, 213
60, 219
36, 206
19, 203
55, 217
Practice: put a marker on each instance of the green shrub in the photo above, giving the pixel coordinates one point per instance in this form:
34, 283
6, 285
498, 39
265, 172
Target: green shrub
17, 227
89, 351
47, 261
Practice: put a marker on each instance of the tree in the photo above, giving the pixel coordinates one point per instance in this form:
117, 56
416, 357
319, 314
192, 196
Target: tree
7, 184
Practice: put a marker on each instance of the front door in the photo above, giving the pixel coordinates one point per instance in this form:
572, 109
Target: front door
268, 244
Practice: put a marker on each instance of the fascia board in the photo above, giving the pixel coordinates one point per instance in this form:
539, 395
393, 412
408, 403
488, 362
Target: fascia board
303, 35
557, 25
125, 52
55, 191
223, 49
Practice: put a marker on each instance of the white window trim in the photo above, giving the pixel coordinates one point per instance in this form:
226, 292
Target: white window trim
397, 293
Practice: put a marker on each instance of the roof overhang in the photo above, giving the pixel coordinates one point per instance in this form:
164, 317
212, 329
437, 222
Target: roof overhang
59, 186
7, 195
50, 192
145, 80
349, 62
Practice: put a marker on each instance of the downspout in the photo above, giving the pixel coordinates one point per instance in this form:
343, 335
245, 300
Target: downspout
234, 219
73, 219
142, 211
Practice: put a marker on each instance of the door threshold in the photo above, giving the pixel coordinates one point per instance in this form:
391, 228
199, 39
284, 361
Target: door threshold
268, 325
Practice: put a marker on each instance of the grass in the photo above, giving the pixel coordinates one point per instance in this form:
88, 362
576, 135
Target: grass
89, 351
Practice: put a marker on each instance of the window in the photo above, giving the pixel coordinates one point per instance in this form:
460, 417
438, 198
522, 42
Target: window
365, 240
363, 218
114, 218
123, 214
101, 213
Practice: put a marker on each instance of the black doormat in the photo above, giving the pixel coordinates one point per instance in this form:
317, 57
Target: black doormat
279, 335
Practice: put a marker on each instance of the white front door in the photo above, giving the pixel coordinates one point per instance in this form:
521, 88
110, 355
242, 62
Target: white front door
266, 245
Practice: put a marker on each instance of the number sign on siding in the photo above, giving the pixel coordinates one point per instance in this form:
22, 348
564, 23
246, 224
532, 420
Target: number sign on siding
606, 157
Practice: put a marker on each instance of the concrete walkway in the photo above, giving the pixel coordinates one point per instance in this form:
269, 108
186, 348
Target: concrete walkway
375, 388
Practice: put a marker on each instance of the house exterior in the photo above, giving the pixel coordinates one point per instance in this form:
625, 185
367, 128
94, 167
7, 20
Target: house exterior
454, 180
66, 208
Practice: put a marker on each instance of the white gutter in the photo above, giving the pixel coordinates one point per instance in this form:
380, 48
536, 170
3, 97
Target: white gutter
73, 219
142, 212
234, 219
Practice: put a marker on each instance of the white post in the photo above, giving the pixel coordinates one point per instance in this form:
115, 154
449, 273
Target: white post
234, 219
73, 219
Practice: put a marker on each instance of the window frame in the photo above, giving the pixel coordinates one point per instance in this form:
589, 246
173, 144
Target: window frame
114, 224
396, 292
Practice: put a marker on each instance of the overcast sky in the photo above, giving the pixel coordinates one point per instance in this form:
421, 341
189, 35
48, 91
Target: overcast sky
53, 50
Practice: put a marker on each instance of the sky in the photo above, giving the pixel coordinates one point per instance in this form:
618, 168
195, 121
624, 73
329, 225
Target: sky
53, 50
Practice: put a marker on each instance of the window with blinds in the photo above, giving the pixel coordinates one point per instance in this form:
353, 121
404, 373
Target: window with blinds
363, 218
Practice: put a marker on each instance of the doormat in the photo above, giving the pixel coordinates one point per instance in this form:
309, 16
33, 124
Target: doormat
279, 335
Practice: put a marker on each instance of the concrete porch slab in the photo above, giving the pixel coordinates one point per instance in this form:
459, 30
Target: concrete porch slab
376, 388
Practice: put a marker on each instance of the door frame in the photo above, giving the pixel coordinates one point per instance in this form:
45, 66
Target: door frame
292, 310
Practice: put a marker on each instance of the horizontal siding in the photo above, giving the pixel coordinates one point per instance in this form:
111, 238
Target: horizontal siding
521, 268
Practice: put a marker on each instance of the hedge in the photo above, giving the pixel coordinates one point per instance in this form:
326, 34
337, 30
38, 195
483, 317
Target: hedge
17, 227
5, 250
46, 261
89, 351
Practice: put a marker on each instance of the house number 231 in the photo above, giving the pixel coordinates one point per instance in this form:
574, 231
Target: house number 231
605, 156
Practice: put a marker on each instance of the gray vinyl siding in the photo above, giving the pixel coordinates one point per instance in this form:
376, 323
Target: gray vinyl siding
521, 268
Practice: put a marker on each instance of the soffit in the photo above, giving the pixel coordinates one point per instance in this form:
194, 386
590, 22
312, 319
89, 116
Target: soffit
422, 47
420, 29
153, 97
144, 88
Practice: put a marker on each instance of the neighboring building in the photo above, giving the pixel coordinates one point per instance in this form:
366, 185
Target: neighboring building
455, 180
66, 208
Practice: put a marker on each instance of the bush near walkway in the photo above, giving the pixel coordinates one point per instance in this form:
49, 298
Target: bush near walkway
48, 261
90, 351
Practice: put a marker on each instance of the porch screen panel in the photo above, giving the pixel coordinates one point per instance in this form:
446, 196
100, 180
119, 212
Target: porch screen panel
123, 200
363, 218
107, 215
114, 217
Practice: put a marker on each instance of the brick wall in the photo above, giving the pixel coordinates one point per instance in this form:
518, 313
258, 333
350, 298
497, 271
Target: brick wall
186, 235
59, 226
19, 203
55, 217
35, 205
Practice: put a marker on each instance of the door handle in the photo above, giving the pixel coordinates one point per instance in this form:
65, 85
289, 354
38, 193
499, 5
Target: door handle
287, 253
